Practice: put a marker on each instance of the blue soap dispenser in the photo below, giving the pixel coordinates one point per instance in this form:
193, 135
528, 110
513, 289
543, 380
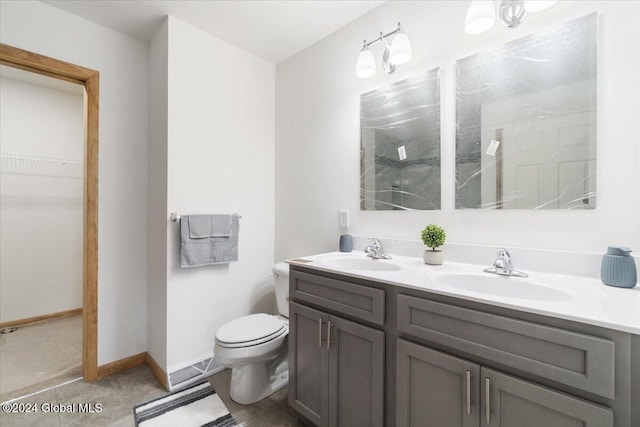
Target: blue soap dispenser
346, 243
618, 268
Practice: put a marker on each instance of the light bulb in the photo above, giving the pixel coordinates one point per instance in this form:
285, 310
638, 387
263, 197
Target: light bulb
400, 52
532, 6
366, 65
481, 16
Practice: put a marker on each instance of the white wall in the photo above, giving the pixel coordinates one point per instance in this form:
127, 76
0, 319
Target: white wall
220, 160
40, 202
158, 107
122, 203
318, 136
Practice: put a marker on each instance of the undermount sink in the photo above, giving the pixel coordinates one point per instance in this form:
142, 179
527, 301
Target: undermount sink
502, 286
359, 264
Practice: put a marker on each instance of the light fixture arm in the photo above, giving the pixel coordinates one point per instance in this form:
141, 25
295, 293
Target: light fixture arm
512, 12
382, 37
387, 66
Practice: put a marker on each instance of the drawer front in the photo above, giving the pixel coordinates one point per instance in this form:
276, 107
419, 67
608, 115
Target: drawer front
581, 361
339, 296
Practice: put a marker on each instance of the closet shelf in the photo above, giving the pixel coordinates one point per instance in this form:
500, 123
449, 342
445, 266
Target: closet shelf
29, 164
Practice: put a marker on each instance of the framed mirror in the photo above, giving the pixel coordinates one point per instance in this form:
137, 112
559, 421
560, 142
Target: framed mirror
526, 122
400, 145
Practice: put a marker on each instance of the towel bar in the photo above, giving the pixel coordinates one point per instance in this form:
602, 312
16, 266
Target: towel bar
174, 217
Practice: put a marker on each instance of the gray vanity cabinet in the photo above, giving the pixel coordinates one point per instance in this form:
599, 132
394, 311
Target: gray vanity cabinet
364, 353
436, 389
336, 372
308, 364
356, 374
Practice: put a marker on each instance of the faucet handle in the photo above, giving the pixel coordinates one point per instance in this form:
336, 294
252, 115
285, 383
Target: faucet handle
503, 262
375, 250
372, 247
504, 266
375, 243
503, 253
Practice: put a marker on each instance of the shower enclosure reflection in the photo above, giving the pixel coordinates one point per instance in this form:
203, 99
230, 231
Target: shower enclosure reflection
526, 122
400, 145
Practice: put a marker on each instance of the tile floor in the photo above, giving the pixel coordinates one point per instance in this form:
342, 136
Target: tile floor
119, 393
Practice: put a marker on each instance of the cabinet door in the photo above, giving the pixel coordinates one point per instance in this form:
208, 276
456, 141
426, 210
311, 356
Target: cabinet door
356, 374
308, 363
434, 389
512, 402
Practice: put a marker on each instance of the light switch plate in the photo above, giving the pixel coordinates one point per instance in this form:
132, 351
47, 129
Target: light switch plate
402, 153
343, 218
493, 147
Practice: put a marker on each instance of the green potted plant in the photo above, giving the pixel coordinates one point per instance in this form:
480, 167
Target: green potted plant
433, 236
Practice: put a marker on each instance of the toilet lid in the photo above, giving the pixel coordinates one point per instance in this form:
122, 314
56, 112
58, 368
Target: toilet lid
247, 329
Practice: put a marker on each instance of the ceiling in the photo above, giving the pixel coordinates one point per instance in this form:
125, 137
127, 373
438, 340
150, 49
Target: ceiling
271, 29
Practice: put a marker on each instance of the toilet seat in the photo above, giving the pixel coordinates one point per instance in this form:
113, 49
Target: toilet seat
251, 330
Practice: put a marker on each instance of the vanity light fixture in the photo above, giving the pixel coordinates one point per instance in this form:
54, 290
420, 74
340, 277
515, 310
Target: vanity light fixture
480, 17
481, 14
397, 53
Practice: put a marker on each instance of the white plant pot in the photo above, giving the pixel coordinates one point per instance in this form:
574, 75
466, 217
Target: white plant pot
433, 257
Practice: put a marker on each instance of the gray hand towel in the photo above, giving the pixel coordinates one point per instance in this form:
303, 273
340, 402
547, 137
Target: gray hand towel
202, 226
200, 251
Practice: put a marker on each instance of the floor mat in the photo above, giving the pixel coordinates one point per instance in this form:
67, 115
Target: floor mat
198, 405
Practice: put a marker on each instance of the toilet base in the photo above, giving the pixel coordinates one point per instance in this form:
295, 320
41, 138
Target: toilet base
257, 381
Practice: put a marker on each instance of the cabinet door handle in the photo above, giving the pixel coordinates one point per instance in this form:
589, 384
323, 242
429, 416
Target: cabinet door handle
329, 335
320, 332
468, 375
487, 403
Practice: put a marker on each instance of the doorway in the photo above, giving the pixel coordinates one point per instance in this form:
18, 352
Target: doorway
88, 80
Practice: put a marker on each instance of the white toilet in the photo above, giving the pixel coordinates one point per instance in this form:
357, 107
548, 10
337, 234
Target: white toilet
255, 347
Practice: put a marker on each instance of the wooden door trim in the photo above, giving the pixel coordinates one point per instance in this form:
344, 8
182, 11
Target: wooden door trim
89, 79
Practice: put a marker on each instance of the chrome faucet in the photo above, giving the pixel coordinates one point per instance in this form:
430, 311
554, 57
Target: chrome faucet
503, 265
375, 250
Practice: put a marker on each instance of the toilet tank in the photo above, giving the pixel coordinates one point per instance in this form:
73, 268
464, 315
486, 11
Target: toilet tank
281, 283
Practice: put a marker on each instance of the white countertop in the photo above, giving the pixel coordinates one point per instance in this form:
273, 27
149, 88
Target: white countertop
584, 300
